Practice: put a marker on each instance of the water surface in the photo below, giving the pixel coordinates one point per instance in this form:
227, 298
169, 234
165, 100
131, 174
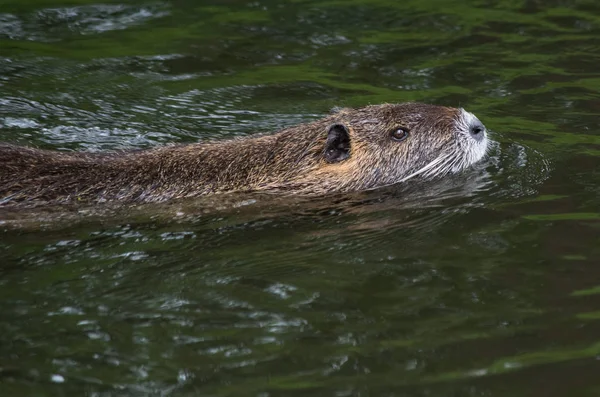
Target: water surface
482, 284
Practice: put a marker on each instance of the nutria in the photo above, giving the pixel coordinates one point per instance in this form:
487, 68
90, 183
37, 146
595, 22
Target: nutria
351, 149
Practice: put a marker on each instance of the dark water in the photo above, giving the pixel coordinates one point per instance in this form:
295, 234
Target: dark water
484, 284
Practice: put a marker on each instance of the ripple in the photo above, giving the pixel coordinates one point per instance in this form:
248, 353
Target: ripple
523, 170
11, 26
56, 378
11, 122
53, 24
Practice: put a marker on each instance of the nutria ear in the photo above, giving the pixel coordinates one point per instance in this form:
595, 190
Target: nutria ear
337, 147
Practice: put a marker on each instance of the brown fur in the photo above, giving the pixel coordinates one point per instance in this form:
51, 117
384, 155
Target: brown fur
291, 160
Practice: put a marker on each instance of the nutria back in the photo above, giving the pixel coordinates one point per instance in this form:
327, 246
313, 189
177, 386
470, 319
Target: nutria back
352, 149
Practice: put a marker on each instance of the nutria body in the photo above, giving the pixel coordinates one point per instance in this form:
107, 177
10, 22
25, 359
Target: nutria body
352, 149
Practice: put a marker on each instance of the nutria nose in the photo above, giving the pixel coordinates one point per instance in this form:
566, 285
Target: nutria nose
477, 130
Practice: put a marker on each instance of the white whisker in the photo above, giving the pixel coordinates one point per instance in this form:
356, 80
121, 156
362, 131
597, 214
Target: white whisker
425, 168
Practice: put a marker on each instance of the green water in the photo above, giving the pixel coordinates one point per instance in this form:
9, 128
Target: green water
483, 284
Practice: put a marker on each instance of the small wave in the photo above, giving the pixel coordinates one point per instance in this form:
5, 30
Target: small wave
52, 24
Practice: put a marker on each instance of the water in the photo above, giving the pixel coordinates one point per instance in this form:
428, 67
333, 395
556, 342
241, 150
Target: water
483, 284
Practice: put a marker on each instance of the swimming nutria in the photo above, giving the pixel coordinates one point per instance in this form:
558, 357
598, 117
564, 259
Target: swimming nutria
351, 149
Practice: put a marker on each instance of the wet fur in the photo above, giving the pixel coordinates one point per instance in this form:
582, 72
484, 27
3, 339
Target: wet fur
293, 160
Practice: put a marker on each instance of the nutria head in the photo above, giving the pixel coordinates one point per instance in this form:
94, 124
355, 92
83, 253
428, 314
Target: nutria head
385, 144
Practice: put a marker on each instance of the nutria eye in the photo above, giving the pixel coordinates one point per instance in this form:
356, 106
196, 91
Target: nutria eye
399, 134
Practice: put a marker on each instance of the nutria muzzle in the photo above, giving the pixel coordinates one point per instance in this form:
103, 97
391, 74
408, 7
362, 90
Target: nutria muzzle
349, 150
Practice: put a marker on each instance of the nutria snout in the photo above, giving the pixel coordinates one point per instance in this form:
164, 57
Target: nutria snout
349, 150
